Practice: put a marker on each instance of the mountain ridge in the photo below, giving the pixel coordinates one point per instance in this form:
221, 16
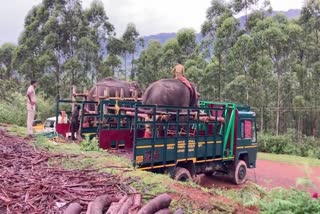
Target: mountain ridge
163, 37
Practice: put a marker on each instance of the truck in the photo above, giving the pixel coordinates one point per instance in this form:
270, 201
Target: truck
215, 137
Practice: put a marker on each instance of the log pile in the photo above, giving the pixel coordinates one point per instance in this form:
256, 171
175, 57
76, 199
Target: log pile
128, 204
28, 184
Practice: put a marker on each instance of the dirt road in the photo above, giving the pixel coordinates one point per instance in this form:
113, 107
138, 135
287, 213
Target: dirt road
270, 174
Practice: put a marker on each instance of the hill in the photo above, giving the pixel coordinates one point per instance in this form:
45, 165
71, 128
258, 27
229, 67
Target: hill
163, 37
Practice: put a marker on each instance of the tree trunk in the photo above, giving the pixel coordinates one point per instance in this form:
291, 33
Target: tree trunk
125, 66
58, 80
219, 78
278, 105
247, 89
261, 120
299, 129
315, 124
132, 70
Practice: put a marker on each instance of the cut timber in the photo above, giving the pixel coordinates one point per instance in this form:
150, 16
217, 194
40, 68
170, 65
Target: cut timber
113, 208
73, 208
89, 208
164, 211
74, 93
124, 209
211, 118
160, 202
145, 116
99, 204
106, 92
121, 93
136, 204
116, 206
179, 211
81, 95
128, 109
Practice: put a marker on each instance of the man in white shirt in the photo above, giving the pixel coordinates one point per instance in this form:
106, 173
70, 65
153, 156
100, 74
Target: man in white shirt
31, 105
63, 118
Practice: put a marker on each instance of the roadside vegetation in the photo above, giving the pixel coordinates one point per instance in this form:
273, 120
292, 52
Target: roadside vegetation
13, 104
290, 144
292, 159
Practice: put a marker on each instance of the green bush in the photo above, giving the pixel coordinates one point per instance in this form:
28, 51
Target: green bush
289, 201
288, 144
277, 200
90, 145
13, 109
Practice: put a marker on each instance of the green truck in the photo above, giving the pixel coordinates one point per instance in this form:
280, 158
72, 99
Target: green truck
213, 138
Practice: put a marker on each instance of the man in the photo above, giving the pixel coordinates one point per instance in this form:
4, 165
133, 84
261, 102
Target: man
75, 122
31, 106
148, 126
63, 118
178, 70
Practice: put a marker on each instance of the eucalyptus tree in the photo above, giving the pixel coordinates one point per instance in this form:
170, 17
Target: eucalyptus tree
59, 35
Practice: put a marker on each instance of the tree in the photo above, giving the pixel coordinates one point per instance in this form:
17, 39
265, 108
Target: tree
6, 55
187, 42
171, 53
278, 38
149, 64
309, 58
60, 35
209, 27
131, 40
110, 66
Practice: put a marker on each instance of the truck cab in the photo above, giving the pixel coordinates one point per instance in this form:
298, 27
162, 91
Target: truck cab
247, 145
50, 124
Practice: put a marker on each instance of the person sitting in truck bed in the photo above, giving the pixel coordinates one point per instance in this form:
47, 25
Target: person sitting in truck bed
148, 126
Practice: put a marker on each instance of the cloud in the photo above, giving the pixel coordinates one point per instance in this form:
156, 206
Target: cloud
150, 16
12, 14
153, 17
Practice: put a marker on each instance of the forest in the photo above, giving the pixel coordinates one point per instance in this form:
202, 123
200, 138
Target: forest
271, 64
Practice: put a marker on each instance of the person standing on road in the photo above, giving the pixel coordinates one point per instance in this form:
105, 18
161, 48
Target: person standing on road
31, 106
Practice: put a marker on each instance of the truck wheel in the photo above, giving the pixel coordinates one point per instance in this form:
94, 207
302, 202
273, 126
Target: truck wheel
240, 173
181, 174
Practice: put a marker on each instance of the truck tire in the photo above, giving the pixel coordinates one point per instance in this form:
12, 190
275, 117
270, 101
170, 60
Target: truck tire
239, 174
181, 174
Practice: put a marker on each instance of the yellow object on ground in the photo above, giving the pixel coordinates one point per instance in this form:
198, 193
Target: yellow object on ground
37, 126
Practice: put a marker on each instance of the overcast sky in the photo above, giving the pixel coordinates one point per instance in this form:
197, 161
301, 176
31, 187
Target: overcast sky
150, 16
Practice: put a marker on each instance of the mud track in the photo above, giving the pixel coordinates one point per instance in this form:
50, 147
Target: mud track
270, 174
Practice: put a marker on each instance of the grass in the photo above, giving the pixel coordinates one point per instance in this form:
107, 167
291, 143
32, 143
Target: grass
291, 159
17, 130
148, 183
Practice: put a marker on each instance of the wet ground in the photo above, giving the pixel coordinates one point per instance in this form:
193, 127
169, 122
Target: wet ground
270, 174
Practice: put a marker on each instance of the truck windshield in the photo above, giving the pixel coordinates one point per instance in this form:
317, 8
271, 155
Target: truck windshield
49, 124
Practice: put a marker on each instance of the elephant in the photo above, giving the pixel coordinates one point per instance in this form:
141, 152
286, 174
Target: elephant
113, 85
170, 92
